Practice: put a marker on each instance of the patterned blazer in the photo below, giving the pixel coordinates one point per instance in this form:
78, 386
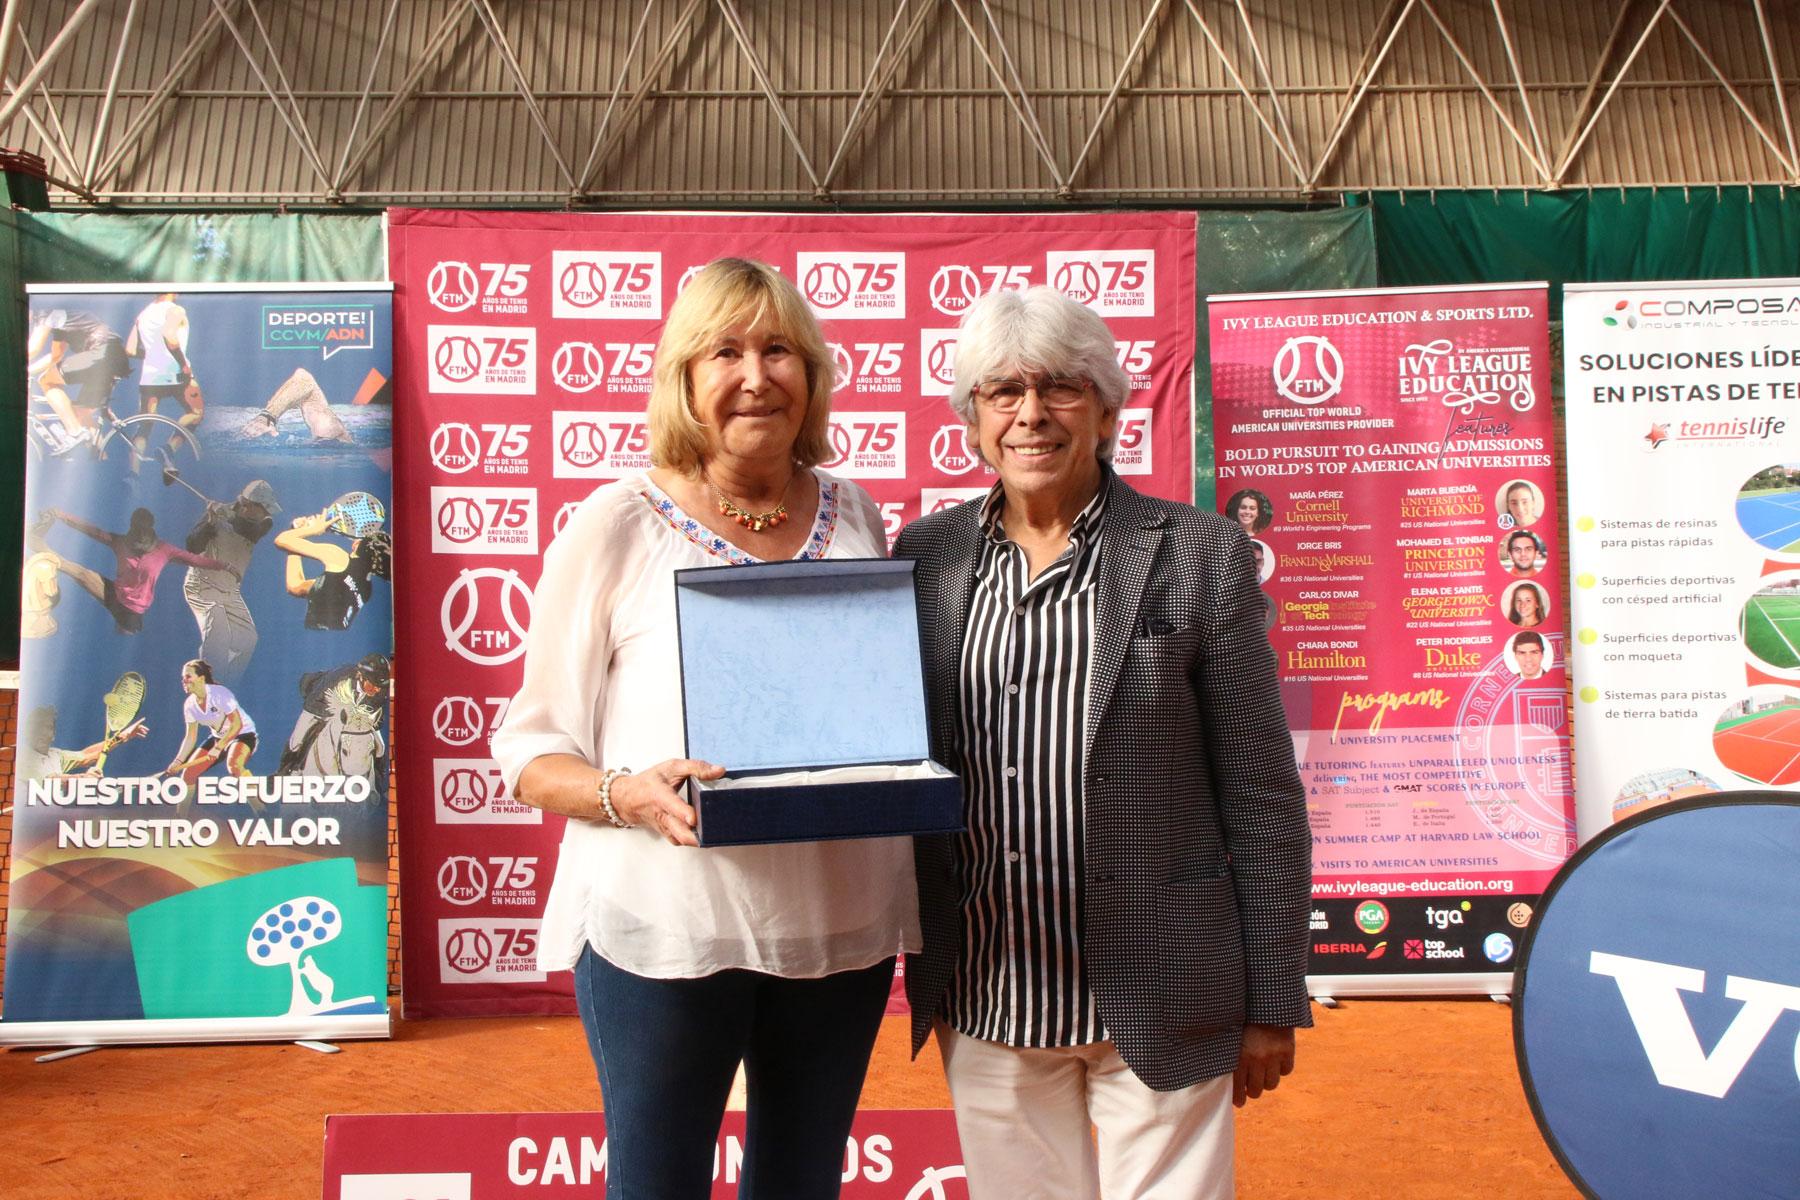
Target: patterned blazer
1199, 855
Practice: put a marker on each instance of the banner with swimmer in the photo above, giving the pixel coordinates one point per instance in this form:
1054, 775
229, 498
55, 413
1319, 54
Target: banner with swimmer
1684, 505
1389, 454
199, 848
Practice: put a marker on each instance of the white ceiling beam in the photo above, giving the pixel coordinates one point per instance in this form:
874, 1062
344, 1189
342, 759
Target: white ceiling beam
52, 52
1768, 43
184, 62
53, 153
287, 90
1364, 78
1512, 62
612, 101
498, 37
882, 73
611, 131
296, 124
452, 23
1579, 140
1268, 80
729, 9
1021, 103
9, 24
1283, 147
1487, 94
1756, 122
104, 121
1154, 11
1595, 78
362, 103
55, 137
1026, 106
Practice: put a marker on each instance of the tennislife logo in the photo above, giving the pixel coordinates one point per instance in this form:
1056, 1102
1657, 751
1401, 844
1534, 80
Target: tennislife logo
1710, 431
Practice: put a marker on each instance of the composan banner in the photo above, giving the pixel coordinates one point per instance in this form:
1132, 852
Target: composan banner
525, 342
199, 847
1390, 454
889, 1155
1684, 497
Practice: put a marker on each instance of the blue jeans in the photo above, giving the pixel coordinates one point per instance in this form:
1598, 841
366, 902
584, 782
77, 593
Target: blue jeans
666, 1051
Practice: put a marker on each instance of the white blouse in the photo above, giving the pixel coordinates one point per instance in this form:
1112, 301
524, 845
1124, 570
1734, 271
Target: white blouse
603, 682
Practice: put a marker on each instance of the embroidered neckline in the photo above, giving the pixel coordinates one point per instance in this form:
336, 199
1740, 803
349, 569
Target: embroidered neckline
817, 542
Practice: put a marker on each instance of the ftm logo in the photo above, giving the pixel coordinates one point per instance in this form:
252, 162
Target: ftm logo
1308, 370
485, 614
1652, 994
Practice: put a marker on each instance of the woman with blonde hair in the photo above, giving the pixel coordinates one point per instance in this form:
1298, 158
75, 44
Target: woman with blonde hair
688, 961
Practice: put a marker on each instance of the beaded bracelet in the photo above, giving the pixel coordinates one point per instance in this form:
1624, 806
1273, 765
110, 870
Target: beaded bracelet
605, 789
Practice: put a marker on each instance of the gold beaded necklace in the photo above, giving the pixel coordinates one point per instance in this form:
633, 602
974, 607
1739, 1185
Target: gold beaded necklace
754, 522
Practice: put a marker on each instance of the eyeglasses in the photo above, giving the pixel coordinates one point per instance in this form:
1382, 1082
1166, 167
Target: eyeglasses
1053, 391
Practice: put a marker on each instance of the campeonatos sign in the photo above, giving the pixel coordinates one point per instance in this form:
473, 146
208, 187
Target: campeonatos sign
1658, 1014
527, 346
889, 1155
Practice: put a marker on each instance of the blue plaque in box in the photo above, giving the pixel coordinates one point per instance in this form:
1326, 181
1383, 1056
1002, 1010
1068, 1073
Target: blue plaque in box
803, 680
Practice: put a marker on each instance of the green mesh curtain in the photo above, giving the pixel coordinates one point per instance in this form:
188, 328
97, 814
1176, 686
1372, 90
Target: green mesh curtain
1605, 235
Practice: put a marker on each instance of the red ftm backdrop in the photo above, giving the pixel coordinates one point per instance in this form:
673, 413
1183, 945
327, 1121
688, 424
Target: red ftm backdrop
523, 349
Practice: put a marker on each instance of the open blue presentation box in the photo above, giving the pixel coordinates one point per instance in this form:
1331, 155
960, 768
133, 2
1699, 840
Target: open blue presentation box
804, 680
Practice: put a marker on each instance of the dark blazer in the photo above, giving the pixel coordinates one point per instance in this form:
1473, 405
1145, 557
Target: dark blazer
1199, 856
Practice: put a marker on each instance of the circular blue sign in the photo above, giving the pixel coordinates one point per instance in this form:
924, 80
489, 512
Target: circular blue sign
1657, 1021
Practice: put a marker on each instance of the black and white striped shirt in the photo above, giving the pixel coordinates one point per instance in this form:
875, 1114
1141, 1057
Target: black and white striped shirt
1023, 698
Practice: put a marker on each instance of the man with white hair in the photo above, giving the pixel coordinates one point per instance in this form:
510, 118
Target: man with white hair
1119, 939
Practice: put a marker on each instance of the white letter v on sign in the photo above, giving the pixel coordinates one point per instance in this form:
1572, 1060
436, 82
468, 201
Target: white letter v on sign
1652, 994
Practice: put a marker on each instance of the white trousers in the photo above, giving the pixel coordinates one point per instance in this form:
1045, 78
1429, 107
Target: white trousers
1028, 1118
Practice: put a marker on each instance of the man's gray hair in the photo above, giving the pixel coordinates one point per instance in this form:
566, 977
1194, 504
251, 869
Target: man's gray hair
1038, 330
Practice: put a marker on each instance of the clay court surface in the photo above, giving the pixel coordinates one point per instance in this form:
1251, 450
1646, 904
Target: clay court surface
1393, 1100
1764, 747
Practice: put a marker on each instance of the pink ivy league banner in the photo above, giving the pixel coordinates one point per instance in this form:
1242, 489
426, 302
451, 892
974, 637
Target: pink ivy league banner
524, 345
1390, 453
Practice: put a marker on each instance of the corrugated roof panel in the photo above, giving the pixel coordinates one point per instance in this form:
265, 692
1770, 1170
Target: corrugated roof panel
944, 133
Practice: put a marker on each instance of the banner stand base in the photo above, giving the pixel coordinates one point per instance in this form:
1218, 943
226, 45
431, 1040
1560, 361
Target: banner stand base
1328, 990
71, 1052
89, 1035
